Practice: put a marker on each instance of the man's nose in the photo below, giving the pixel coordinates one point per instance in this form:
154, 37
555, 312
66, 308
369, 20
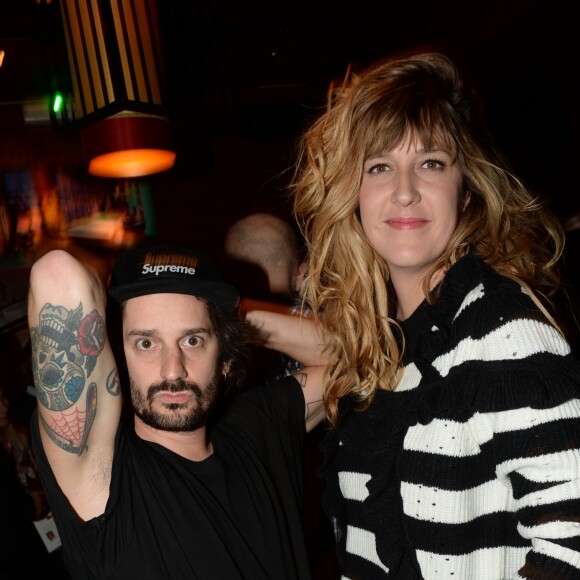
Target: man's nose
172, 365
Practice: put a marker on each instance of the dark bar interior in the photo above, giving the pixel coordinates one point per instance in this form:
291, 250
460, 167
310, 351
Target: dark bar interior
223, 89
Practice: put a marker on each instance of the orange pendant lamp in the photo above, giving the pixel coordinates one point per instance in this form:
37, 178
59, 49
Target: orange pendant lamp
114, 51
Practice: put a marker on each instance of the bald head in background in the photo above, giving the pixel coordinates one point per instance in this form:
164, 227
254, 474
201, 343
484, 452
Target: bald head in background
270, 243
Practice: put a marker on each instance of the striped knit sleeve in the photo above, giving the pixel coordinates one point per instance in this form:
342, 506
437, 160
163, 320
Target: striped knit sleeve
529, 399
538, 457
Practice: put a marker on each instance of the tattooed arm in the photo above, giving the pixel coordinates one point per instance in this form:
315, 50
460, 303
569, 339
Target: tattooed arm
76, 379
311, 380
301, 339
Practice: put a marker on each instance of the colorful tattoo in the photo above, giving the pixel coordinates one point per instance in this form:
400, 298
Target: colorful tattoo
65, 348
70, 430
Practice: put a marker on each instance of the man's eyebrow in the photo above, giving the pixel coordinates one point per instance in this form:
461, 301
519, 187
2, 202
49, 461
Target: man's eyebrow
200, 330
155, 331
138, 332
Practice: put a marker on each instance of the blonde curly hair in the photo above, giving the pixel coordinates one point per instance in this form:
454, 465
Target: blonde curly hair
347, 282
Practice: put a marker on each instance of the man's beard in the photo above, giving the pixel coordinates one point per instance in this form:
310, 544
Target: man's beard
180, 420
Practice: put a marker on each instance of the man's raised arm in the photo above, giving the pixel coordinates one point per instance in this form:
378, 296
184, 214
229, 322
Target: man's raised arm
77, 385
302, 339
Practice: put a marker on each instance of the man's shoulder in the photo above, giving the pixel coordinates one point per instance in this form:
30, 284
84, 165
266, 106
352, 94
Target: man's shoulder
272, 404
282, 388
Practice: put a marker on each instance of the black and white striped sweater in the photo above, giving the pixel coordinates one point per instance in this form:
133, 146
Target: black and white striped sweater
470, 470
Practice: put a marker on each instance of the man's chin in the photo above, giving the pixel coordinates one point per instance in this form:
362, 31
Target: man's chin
174, 422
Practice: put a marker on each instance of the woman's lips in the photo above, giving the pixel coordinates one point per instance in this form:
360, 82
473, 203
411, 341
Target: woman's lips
407, 223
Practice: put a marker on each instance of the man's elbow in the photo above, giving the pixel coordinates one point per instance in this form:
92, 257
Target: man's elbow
53, 265
59, 278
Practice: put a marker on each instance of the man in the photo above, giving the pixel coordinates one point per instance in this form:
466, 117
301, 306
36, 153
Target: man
264, 260
172, 499
271, 244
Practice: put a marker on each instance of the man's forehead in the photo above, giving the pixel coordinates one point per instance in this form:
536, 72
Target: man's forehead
170, 307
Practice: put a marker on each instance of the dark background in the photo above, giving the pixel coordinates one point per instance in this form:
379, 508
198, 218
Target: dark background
244, 78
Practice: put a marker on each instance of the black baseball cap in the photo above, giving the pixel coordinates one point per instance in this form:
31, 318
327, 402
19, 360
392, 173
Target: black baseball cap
171, 269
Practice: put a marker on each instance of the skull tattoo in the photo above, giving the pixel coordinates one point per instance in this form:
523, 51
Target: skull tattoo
66, 347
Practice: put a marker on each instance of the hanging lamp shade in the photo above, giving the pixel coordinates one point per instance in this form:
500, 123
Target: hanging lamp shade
114, 51
128, 145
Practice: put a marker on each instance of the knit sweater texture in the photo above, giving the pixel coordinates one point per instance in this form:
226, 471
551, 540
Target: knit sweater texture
470, 469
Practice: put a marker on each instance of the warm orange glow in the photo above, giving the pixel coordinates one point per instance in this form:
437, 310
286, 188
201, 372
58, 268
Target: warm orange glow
132, 163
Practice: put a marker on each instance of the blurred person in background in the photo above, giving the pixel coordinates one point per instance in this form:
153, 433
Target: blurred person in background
272, 244
264, 261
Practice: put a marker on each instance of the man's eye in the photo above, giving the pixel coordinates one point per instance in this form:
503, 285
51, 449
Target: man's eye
193, 341
144, 344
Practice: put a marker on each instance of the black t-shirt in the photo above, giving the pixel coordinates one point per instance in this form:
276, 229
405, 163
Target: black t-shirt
235, 515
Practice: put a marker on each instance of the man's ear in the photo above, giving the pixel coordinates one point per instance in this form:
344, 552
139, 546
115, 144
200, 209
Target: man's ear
226, 369
300, 276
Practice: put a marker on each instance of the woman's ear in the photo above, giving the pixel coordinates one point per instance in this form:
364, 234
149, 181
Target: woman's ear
300, 276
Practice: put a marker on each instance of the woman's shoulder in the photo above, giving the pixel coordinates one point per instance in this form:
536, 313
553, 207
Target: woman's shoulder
473, 301
473, 290
501, 349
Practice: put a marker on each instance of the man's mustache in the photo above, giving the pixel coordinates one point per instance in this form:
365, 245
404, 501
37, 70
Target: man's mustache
173, 387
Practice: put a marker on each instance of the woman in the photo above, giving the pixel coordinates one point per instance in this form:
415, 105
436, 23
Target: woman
452, 395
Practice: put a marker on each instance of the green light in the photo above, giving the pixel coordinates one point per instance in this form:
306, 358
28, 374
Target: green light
57, 103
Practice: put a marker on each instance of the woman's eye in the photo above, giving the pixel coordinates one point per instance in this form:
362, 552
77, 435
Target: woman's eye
144, 344
378, 168
433, 164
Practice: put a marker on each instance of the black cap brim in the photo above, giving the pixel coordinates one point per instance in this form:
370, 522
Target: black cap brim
220, 293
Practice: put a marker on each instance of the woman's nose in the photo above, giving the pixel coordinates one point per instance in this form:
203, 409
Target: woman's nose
405, 191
